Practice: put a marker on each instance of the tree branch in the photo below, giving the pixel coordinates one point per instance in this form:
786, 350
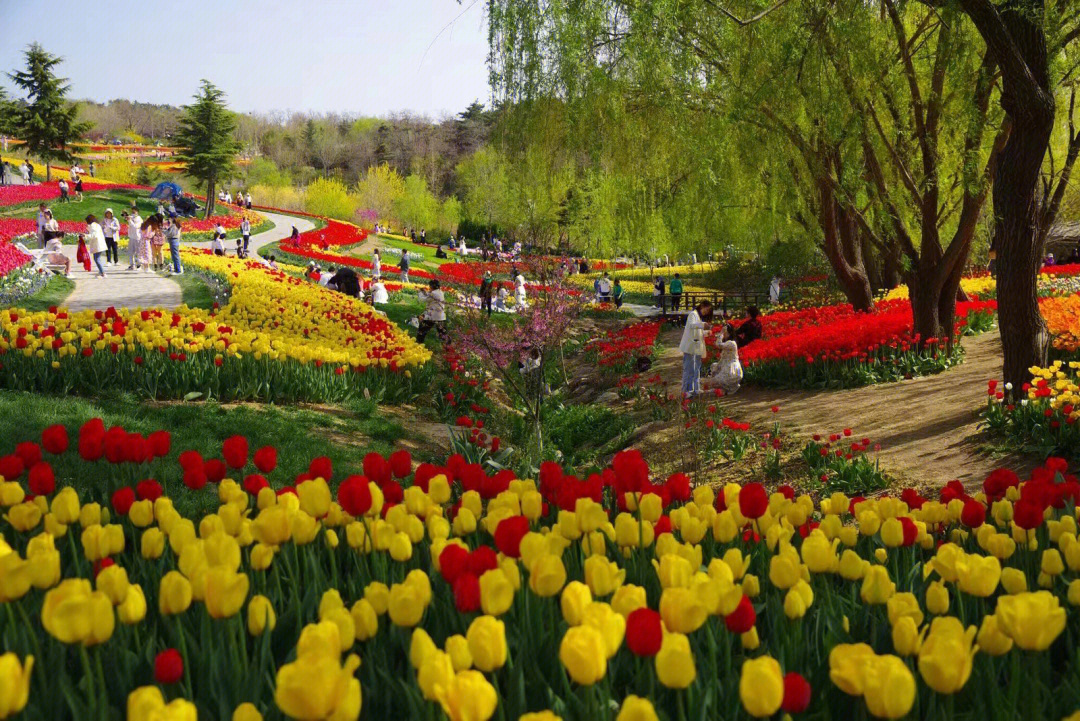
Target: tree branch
749, 21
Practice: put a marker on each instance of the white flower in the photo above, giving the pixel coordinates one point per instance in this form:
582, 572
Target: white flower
1024, 402
1008, 386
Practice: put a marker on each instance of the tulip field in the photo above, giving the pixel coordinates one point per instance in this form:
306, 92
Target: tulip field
463, 579
404, 590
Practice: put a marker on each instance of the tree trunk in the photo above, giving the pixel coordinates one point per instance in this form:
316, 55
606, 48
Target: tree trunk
1015, 34
842, 244
48, 171
210, 197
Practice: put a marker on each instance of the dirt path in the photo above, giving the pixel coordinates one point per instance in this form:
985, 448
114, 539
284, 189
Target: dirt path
927, 427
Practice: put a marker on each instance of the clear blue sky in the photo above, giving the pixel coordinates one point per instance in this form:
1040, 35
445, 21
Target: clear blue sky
370, 57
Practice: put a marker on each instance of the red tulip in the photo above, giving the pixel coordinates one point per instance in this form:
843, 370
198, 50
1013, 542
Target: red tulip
41, 480
235, 451
168, 666
974, 513
743, 618
796, 693
508, 535
452, 562
354, 496
265, 459
400, 463
11, 467
753, 501
644, 632
321, 467
148, 490
467, 593
55, 439
122, 500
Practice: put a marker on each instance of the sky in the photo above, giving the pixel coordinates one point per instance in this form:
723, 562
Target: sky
360, 57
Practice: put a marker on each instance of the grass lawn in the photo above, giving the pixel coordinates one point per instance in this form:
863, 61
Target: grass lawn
344, 435
94, 203
55, 292
426, 251
196, 293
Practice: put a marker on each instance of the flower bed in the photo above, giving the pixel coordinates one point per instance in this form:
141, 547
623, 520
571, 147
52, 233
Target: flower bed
1062, 316
620, 349
193, 228
336, 233
278, 338
833, 346
639, 593
1044, 421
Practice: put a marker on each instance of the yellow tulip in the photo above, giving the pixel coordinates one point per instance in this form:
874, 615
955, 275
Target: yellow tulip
468, 697
1032, 620
147, 704
72, 613
15, 687
15, 576
888, 687
902, 605
365, 620
906, 637
174, 595
675, 662
496, 592
603, 576
260, 615
547, 575
682, 610
405, 604
487, 643
946, 656
635, 708
978, 575
152, 544
847, 662
610, 624
436, 670
937, 598
761, 686
113, 582
246, 712
583, 654
457, 647
133, 608
420, 646
877, 587
226, 591
317, 686
628, 598
992, 639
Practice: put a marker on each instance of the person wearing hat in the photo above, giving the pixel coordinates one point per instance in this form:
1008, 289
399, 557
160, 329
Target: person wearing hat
487, 288
110, 226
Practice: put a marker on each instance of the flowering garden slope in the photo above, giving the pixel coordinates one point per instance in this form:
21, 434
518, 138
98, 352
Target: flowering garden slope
279, 338
393, 591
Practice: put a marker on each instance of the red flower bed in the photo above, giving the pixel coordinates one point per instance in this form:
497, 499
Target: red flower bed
18, 194
620, 348
335, 233
11, 258
1064, 269
834, 345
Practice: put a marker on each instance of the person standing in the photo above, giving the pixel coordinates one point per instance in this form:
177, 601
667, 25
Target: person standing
658, 291
487, 286
111, 227
245, 231
376, 264
95, 243
519, 291
3, 172
172, 234
41, 218
247, 204
676, 291
51, 230
27, 172
157, 244
403, 266
692, 346
93, 170
774, 290
435, 313
423, 235
77, 177
617, 294
63, 186
136, 254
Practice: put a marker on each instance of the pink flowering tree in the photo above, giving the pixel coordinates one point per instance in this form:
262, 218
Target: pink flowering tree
518, 347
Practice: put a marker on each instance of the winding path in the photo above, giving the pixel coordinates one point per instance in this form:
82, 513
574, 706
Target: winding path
928, 427
122, 288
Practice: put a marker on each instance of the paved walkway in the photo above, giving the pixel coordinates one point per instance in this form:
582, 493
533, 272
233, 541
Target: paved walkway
122, 288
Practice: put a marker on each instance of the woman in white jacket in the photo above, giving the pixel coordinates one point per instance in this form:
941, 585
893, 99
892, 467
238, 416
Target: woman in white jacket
95, 243
692, 347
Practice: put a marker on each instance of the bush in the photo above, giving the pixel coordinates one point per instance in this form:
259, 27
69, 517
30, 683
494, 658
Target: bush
329, 197
286, 196
582, 433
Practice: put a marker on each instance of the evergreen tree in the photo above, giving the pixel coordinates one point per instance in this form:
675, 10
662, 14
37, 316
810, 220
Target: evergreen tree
47, 121
207, 137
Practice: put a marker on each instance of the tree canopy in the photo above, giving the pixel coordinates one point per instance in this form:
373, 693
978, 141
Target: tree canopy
206, 136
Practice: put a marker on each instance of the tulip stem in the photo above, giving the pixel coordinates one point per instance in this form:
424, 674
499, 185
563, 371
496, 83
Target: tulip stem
183, 652
88, 672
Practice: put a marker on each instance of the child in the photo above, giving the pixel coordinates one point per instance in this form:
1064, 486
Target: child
157, 243
240, 248
218, 245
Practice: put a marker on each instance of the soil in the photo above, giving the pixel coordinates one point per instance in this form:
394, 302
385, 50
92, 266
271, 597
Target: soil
928, 427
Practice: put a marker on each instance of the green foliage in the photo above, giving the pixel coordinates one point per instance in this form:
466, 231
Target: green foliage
263, 171
46, 121
379, 190
148, 175
417, 206
331, 198
206, 136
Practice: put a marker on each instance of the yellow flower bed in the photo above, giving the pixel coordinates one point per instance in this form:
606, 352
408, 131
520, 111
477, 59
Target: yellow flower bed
403, 594
280, 333
972, 286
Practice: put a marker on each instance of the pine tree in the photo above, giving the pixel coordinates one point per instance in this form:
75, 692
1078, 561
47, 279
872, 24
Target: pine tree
207, 137
47, 121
